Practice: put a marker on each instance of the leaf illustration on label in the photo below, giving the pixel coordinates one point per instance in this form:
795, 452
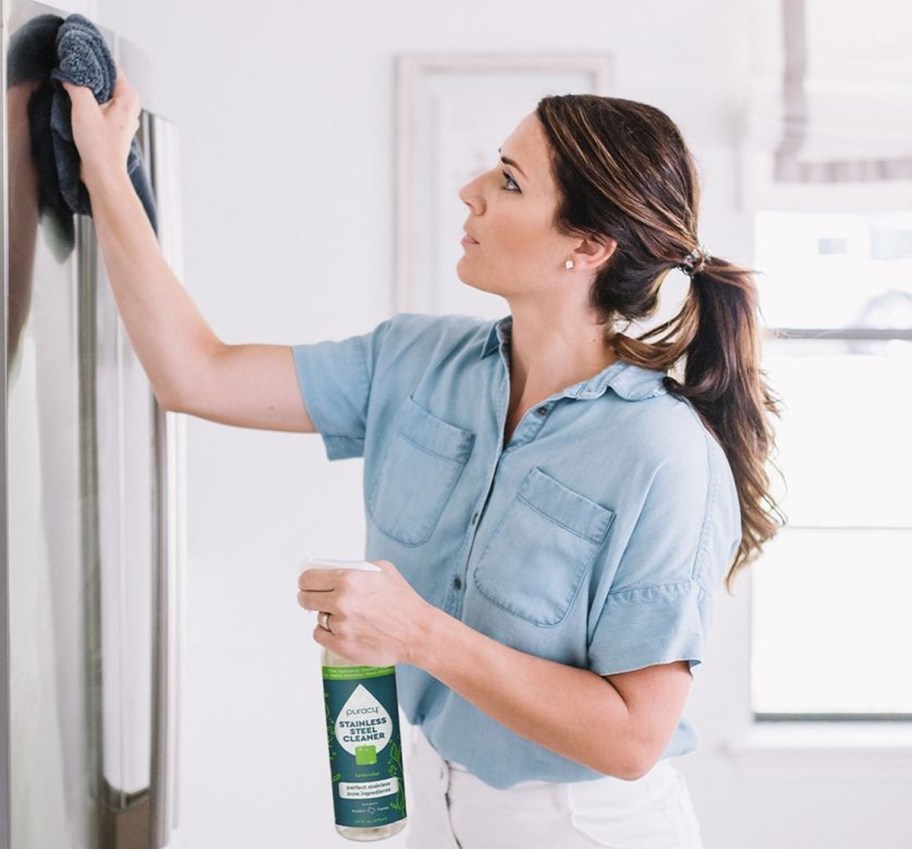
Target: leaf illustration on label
363, 723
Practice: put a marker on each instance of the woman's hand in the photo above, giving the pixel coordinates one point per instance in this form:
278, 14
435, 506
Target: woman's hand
103, 132
375, 618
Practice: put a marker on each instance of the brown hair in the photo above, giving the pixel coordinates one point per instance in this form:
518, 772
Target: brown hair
625, 172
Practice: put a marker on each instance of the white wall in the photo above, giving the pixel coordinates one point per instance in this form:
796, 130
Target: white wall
286, 118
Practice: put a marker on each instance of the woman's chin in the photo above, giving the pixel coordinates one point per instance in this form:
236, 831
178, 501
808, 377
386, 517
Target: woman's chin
461, 270
472, 280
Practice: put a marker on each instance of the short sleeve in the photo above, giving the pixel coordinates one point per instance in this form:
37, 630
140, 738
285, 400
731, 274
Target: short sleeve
340, 381
335, 383
647, 626
658, 608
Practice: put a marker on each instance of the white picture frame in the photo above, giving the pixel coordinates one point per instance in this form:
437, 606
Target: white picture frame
453, 111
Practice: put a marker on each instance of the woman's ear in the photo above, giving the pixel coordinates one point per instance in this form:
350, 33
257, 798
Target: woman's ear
591, 254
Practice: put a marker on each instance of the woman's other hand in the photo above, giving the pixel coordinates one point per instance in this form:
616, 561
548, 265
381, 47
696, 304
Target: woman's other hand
103, 132
375, 618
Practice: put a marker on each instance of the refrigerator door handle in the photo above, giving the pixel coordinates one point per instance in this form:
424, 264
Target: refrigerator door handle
122, 561
159, 142
164, 637
131, 448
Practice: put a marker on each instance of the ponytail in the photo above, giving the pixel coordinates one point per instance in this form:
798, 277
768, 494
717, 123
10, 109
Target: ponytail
716, 335
625, 173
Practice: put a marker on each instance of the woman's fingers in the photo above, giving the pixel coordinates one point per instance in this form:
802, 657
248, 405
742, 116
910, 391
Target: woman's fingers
317, 600
125, 97
84, 106
78, 92
104, 132
372, 614
124, 91
319, 579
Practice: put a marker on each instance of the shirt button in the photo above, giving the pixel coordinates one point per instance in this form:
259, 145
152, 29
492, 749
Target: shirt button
475, 519
457, 583
542, 412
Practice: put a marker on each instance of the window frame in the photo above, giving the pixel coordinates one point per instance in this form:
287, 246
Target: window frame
773, 333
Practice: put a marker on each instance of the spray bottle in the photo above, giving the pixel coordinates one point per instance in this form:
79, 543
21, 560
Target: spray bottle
365, 748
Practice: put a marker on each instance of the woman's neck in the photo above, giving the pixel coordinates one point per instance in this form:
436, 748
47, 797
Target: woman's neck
551, 350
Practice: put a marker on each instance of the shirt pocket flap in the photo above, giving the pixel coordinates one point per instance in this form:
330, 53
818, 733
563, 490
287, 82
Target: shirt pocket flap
565, 507
540, 552
413, 485
435, 435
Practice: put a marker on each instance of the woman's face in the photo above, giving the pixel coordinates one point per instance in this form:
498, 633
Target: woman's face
512, 246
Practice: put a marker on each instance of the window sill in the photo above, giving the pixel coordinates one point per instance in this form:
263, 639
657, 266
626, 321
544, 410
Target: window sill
825, 750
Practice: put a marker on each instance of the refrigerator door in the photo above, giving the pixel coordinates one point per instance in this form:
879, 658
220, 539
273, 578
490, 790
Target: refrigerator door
88, 587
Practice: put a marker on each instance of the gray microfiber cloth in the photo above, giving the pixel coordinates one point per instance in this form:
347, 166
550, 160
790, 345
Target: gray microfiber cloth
51, 50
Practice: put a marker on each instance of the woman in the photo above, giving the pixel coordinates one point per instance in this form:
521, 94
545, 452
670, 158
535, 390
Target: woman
559, 511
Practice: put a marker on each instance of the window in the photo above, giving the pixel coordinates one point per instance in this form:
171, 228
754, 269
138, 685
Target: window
832, 595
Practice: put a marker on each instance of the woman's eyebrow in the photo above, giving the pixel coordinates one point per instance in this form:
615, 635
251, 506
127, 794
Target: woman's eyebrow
507, 161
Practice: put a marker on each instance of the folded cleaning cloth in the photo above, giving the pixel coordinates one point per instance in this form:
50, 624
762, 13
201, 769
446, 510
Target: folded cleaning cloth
52, 50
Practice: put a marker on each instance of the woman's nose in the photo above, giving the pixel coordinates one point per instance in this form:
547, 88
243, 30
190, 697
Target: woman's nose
471, 195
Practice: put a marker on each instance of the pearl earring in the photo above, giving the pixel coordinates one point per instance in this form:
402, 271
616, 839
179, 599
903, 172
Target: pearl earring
569, 265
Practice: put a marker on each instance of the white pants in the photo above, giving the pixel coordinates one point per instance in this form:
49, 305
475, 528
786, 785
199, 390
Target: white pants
448, 808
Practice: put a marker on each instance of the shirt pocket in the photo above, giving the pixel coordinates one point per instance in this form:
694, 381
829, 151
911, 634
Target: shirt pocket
425, 459
537, 556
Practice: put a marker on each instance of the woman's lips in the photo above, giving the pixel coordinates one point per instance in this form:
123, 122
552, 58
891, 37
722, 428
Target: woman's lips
468, 240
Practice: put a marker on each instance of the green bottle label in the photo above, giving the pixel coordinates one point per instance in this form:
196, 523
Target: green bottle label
365, 749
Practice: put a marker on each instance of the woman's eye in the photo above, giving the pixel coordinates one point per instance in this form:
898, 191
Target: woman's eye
509, 183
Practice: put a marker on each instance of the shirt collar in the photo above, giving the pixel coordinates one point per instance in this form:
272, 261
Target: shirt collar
630, 382
499, 332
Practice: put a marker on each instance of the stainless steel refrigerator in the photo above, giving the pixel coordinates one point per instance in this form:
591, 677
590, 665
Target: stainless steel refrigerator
88, 515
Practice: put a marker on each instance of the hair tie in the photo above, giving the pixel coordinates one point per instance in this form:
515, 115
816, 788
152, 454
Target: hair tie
695, 261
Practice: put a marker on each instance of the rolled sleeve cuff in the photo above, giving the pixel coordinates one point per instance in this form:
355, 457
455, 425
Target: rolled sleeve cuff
649, 626
342, 447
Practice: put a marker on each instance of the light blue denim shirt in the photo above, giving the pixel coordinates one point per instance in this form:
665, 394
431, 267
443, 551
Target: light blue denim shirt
595, 538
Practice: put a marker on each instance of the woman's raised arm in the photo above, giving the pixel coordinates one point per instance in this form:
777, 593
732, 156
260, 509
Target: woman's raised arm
191, 370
